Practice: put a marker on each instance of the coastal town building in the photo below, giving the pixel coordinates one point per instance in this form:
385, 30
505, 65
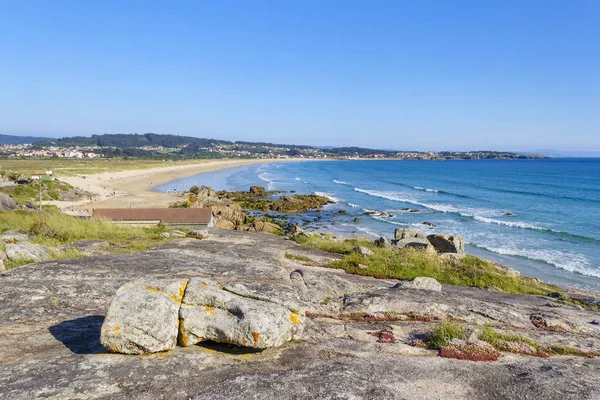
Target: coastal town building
190, 218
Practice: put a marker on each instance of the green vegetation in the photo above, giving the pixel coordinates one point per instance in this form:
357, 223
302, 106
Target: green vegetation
566, 299
52, 190
515, 343
56, 229
62, 167
443, 334
496, 338
297, 257
407, 264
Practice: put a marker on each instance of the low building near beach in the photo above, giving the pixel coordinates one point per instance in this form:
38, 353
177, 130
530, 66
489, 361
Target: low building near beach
190, 218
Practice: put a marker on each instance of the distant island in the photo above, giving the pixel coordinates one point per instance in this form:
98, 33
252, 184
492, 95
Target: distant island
158, 146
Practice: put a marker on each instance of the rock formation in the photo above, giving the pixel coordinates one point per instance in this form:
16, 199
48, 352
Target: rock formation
358, 339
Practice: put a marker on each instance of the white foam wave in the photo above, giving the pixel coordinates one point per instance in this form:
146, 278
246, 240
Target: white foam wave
300, 180
572, 262
368, 231
386, 220
353, 205
447, 208
425, 189
341, 182
328, 195
512, 224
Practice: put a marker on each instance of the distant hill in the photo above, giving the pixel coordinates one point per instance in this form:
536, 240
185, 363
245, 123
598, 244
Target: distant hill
136, 140
13, 139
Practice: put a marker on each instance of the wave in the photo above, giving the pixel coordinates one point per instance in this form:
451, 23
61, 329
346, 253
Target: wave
329, 196
464, 196
368, 231
426, 189
353, 205
301, 180
476, 215
572, 262
341, 182
445, 208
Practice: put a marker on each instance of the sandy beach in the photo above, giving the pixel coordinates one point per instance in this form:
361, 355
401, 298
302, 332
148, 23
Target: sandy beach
133, 188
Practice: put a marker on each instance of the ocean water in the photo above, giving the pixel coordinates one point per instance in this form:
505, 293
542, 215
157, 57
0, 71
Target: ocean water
541, 217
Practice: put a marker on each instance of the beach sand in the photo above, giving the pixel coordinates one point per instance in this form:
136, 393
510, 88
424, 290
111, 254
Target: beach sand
133, 188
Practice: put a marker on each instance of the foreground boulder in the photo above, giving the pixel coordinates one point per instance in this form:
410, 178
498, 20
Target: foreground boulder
150, 316
209, 312
447, 244
144, 317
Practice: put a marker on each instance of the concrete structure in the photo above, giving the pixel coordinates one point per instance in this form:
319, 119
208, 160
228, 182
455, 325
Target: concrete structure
191, 218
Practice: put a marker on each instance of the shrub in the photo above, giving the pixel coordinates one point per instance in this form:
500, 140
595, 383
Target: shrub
443, 334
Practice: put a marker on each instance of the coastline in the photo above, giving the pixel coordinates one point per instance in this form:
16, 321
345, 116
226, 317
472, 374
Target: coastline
134, 188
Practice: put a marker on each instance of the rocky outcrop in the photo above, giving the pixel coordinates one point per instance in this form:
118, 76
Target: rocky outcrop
408, 233
14, 235
27, 251
209, 312
447, 244
260, 226
6, 203
413, 243
143, 317
355, 343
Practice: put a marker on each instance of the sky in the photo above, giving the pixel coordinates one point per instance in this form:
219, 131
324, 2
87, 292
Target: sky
407, 75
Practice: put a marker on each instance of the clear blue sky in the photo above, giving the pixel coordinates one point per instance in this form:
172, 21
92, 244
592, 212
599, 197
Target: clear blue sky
510, 74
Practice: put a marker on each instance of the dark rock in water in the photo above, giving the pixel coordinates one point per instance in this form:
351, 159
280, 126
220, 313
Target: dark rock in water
356, 220
382, 214
342, 212
292, 191
428, 223
414, 211
447, 244
509, 214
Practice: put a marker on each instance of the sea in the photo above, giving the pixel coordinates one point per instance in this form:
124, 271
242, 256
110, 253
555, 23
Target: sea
539, 216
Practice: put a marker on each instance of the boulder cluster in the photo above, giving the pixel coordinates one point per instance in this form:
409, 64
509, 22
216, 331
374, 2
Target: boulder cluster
149, 316
436, 243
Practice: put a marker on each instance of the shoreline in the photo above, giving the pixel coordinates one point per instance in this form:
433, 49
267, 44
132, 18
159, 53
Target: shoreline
135, 188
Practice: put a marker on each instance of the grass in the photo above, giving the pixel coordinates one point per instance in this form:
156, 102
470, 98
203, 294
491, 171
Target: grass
496, 338
53, 190
443, 334
53, 229
513, 342
70, 167
297, 257
408, 264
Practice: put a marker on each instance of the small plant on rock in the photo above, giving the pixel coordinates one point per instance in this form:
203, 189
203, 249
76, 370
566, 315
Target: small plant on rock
444, 333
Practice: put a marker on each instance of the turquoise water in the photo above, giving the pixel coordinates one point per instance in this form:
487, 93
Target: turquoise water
541, 217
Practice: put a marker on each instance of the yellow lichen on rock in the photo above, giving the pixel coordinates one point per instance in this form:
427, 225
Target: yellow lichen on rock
295, 318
